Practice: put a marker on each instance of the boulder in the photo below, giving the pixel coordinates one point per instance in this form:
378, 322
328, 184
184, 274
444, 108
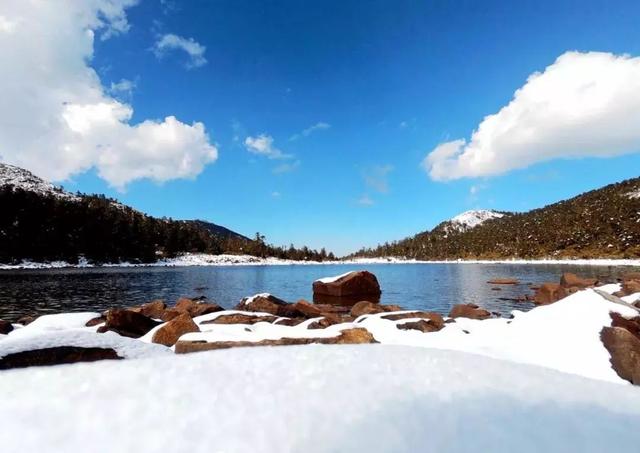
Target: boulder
631, 324
328, 319
631, 276
154, 309
435, 319
365, 307
174, 329
471, 311
265, 303
569, 280
169, 314
348, 336
127, 323
630, 287
624, 348
96, 321
307, 309
549, 293
26, 320
358, 284
5, 327
504, 281
240, 318
56, 356
421, 325
196, 308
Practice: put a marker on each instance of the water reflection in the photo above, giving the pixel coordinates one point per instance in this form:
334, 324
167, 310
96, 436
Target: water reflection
412, 286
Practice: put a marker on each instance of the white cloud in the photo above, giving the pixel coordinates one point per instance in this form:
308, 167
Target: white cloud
583, 105
377, 177
57, 119
365, 200
123, 88
262, 145
192, 48
310, 130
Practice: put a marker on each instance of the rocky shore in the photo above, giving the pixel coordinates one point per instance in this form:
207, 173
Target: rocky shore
581, 326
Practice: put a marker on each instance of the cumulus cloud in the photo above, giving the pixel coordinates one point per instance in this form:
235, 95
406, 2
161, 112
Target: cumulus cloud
583, 105
57, 119
310, 130
194, 50
123, 88
262, 145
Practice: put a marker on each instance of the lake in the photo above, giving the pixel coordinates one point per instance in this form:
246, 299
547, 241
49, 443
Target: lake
434, 287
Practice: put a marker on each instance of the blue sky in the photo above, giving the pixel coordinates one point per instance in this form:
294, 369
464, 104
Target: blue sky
383, 82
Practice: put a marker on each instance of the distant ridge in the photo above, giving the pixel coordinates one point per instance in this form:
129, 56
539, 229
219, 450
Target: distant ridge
602, 223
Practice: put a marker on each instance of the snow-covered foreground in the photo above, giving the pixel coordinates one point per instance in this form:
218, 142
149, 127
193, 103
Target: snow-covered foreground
314, 399
201, 259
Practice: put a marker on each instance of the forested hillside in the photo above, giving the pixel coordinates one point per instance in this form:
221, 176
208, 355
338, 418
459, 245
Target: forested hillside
597, 224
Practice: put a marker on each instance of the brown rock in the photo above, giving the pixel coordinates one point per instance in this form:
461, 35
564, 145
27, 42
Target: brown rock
239, 318
154, 309
26, 320
504, 281
307, 309
366, 308
631, 276
174, 329
422, 325
549, 293
348, 336
630, 287
5, 327
264, 303
328, 319
435, 319
169, 314
569, 280
471, 311
354, 284
632, 324
624, 349
196, 308
56, 356
127, 323
289, 321
95, 321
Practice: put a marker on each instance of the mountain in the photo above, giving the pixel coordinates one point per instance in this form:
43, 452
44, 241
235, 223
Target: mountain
603, 223
470, 219
19, 178
41, 222
217, 230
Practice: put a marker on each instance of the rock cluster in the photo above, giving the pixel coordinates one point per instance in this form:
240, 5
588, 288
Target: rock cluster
549, 293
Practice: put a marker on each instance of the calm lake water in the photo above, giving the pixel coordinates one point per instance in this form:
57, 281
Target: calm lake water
434, 287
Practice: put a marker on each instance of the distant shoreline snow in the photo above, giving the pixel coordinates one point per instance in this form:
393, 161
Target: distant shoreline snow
203, 260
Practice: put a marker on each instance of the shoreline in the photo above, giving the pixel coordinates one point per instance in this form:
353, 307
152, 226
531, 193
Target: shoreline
205, 260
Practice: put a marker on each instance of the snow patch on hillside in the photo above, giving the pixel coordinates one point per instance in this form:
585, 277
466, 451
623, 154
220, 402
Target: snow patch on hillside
471, 219
634, 194
20, 178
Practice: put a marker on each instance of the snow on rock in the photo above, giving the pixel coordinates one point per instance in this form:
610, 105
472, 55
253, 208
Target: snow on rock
333, 279
471, 219
69, 329
22, 179
564, 336
314, 399
634, 194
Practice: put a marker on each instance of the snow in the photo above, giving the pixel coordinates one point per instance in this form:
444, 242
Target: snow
634, 194
333, 279
201, 259
68, 329
314, 399
20, 178
471, 219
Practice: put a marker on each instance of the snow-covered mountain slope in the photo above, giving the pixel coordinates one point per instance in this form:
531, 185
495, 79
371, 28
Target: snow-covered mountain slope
471, 219
20, 178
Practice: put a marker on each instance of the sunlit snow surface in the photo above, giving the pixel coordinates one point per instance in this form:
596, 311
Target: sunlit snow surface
471, 219
314, 399
20, 178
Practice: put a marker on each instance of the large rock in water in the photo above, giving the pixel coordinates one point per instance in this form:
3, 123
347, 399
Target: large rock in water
174, 329
56, 356
470, 311
569, 280
353, 285
549, 293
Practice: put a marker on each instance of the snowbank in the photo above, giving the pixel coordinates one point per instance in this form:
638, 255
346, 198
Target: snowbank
314, 399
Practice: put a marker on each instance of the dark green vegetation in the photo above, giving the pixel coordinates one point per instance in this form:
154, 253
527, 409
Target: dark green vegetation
47, 227
603, 223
